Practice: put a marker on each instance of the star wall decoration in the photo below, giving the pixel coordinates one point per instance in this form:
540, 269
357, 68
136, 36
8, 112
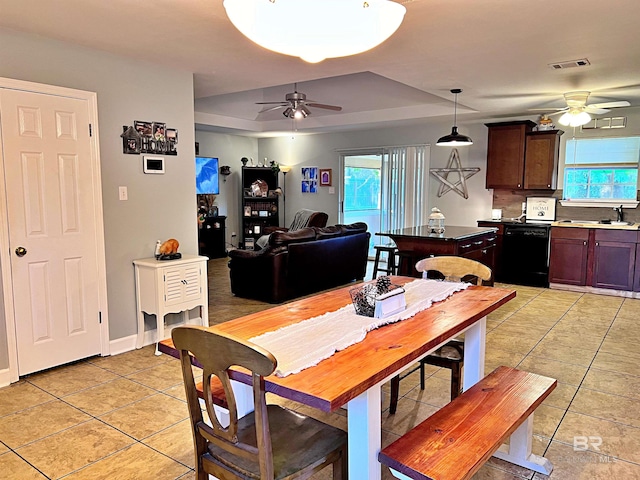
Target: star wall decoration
454, 167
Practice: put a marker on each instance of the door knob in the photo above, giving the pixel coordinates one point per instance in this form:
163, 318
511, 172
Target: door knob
21, 251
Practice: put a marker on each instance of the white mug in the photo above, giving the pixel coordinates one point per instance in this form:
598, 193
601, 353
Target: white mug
496, 214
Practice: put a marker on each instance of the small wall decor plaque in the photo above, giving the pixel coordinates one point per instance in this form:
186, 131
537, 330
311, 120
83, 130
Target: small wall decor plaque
325, 177
149, 137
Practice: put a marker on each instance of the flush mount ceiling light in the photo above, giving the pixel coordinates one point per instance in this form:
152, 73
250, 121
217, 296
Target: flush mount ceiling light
455, 139
316, 29
575, 117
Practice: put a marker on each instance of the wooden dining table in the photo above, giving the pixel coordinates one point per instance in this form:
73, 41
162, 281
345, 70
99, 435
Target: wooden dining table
353, 377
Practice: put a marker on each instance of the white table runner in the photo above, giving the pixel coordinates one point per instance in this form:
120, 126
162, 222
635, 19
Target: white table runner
305, 344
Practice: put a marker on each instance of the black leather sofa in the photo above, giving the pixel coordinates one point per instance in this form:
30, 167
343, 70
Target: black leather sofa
301, 262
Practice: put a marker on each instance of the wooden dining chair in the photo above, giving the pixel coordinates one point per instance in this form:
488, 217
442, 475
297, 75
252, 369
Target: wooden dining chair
271, 442
450, 355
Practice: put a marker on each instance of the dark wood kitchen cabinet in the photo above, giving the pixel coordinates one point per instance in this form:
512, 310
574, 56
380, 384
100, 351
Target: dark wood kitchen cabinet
505, 154
614, 257
568, 256
542, 150
636, 276
497, 251
594, 257
519, 158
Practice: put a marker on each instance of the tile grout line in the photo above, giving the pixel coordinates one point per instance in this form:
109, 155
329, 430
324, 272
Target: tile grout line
564, 414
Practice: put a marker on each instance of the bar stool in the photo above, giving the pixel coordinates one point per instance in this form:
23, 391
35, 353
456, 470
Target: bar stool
391, 250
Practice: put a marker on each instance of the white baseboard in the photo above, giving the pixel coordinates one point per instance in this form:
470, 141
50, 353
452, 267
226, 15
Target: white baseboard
126, 344
5, 378
121, 345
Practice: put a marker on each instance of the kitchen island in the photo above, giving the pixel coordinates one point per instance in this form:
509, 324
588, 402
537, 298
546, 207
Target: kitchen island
415, 243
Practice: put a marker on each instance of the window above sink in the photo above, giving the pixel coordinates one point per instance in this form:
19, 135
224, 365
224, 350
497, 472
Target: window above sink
601, 172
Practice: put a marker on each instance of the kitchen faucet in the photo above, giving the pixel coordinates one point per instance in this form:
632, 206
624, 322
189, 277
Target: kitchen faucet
619, 212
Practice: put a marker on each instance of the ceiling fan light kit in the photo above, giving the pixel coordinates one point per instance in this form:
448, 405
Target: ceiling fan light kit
454, 139
574, 118
296, 105
577, 112
322, 28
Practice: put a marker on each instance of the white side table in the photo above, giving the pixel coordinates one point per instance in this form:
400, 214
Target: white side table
170, 286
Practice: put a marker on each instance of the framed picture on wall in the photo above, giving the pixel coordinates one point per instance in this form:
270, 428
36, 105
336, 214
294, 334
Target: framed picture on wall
309, 179
325, 177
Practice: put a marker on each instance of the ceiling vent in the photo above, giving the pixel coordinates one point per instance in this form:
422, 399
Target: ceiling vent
605, 123
583, 62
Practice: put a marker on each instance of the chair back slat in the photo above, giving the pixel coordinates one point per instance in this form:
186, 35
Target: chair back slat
454, 269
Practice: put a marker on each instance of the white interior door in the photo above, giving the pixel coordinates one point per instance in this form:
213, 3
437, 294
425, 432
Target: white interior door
51, 199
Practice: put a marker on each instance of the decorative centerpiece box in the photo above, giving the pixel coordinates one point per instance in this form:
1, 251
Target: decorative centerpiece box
378, 299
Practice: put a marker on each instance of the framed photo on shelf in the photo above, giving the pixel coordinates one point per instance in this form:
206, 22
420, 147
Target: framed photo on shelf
247, 210
325, 177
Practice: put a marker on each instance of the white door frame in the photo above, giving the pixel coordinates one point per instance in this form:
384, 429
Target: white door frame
5, 253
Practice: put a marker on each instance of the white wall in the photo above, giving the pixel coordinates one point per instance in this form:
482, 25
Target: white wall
159, 206
321, 150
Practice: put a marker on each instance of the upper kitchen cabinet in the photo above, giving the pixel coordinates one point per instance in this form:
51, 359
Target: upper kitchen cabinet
519, 158
505, 154
541, 153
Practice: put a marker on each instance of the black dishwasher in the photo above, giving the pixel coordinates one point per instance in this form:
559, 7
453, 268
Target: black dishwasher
525, 254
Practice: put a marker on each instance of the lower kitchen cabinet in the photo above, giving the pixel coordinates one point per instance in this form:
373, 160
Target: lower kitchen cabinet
496, 250
594, 257
568, 257
614, 259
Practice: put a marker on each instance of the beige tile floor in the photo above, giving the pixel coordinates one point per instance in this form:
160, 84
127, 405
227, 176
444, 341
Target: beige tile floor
124, 417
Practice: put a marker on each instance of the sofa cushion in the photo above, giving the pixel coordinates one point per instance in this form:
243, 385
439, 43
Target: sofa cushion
277, 239
353, 228
328, 232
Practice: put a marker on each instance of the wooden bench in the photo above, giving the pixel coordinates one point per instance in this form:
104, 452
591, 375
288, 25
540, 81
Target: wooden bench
459, 438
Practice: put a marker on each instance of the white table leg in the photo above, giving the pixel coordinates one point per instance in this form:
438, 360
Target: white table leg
244, 397
474, 349
365, 435
519, 450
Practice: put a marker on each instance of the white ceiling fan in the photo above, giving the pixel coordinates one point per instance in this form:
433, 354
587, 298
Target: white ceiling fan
296, 105
577, 111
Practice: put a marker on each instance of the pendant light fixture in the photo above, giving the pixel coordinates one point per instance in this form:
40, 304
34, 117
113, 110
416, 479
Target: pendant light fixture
316, 29
455, 139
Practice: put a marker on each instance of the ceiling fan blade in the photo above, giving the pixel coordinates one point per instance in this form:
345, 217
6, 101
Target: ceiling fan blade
548, 109
620, 103
272, 108
284, 104
558, 113
322, 105
596, 111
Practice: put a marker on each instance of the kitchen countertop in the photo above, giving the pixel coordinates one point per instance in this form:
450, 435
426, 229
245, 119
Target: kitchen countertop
596, 224
451, 233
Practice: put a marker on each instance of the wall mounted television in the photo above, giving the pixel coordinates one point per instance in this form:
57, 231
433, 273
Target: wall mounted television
207, 178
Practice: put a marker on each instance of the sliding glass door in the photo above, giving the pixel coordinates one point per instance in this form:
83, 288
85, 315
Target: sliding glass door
386, 188
362, 191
